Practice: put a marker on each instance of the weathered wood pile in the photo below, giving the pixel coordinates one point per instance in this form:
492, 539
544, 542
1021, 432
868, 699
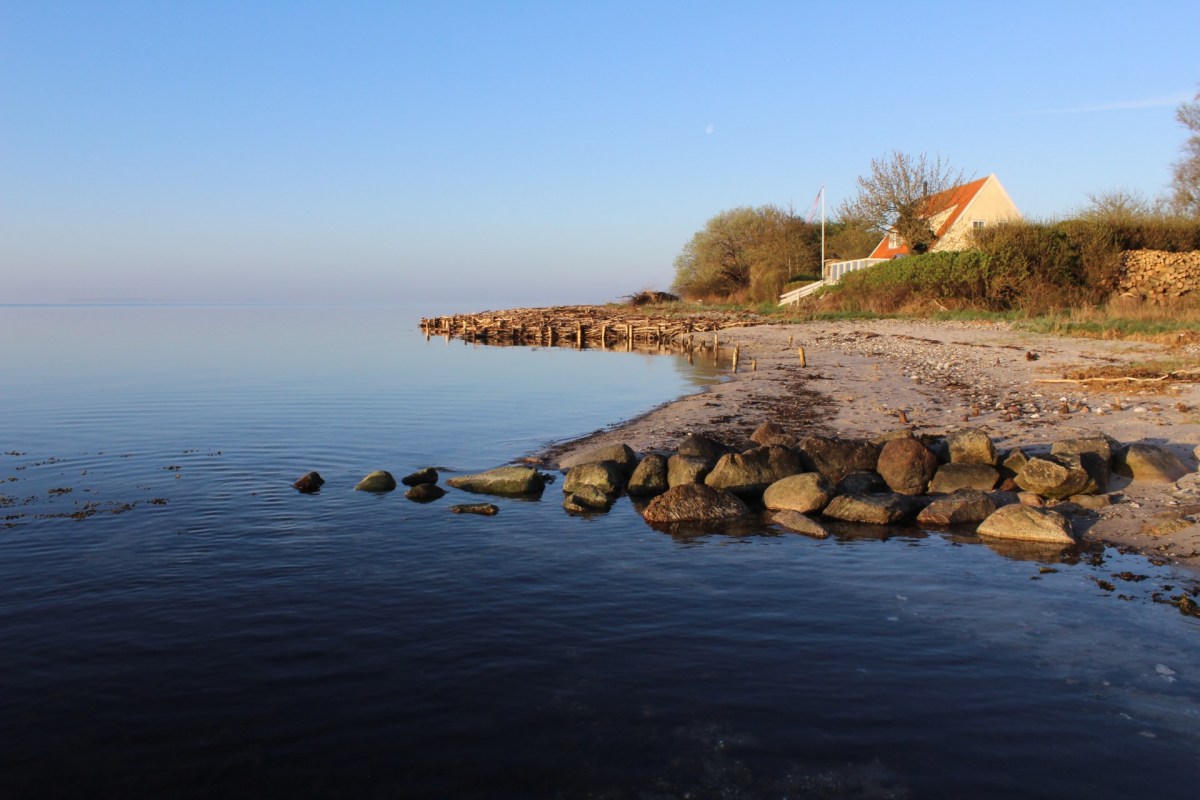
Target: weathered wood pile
584, 326
1157, 276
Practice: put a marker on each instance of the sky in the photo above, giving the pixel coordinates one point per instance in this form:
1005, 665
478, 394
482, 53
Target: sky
472, 155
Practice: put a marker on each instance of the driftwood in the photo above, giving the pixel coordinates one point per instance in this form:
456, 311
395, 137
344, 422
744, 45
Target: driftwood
586, 326
1178, 375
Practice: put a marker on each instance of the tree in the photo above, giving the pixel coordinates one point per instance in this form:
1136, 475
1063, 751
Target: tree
747, 254
1120, 204
1185, 178
901, 194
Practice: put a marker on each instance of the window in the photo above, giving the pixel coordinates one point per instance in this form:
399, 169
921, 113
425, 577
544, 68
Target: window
893, 241
977, 224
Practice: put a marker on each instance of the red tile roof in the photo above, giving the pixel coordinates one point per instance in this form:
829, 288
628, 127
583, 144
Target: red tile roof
956, 200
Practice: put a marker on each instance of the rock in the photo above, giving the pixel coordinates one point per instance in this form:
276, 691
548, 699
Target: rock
694, 502
483, 509
800, 523
770, 433
906, 466
876, 509
620, 454
861, 482
952, 477
697, 446
803, 493
508, 481
607, 476
650, 477
1012, 463
587, 499
971, 446
1149, 462
378, 481
1092, 502
748, 474
425, 493
427, 475
1094, 454
887, 436
308, 483
686, 469
1027, 524
1054, 477
960, 507
836, 458
1031, 499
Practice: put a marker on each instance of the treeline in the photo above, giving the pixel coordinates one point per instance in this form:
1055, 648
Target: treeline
1034, 267
750, 254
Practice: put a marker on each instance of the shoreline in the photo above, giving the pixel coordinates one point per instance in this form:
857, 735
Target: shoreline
861, 375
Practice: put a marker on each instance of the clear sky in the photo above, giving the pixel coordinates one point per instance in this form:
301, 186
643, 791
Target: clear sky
481, 154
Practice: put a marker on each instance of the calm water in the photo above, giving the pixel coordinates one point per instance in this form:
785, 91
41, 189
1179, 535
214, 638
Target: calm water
176, 621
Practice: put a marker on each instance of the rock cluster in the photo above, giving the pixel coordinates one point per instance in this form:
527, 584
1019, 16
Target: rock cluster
1156, 275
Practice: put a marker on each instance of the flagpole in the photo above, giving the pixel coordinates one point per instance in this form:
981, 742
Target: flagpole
822, 231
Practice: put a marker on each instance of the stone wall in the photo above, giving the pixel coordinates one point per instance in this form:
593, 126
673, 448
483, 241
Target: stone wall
1158, 276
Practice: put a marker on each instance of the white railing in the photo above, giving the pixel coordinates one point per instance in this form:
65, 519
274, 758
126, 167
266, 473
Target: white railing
833, 274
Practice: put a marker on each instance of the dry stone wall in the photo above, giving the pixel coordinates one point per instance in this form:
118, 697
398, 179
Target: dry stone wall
1158, 276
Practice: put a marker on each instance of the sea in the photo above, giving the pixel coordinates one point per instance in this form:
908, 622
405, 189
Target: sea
177, 621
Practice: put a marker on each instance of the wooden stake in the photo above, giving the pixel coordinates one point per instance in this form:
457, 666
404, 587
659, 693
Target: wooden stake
737, 350
803, 360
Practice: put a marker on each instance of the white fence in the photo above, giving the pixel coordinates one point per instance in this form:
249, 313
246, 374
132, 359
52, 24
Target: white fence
833, 274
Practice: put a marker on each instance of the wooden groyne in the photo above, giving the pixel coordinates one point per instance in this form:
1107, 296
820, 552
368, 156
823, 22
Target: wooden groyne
601, 327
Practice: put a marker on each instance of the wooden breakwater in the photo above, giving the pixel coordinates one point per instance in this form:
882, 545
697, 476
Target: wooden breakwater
585, 326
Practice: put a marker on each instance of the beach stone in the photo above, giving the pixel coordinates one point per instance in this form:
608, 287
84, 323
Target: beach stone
308, 483
771, 433
971, 446
607, 476
1149, 462
427, 475
425, 493
960, 507
696, 446
1032, 499
861, 482
836, 458
483, 509
650, 477
875, 509
748, 474
906, 465
952, 477
1054, 477
587, 499
800, 523
1027, 524
803, 493
1013, 461
1092, 502
686, 469
620, 454
1094, 453
694, 502
509, 481
378, 481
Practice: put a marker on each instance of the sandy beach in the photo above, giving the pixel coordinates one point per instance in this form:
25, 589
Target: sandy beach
866, 378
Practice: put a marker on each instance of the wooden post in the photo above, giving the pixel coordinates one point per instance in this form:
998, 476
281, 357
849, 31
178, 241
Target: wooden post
754, 365
579, 335
803, 360
791, 340
604, 336
737, 351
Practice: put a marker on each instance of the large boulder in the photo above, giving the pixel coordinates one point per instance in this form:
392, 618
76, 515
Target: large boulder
309, 483
425, 493
961, 507
620, 454
1094, 453
1148, 462
800, 523
906, 465
861, 481
875, 509
748, 474
427, 475
952, 477
696, 446
1012, 463
378, 481
512, 481
771, 433
650, 477
1027, 524
683, 469
971, 446
803, 493
607, 476
694, 502
1055, 477
836, 458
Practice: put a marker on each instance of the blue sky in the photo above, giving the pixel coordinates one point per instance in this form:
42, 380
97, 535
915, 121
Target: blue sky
461, 155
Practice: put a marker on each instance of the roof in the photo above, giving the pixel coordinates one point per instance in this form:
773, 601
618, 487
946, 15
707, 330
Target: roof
954, 201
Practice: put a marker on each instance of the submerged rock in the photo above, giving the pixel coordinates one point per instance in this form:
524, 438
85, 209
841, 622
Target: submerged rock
694, 502
427, 475
378, 481
800, 523
512, 481
1027, 524
483, 509
308, 483
650, 477
425, 493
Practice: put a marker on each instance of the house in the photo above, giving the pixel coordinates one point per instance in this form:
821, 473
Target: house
959, 211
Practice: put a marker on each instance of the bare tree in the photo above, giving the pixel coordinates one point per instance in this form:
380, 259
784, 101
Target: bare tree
1185, 177
1121, 204
902, 193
